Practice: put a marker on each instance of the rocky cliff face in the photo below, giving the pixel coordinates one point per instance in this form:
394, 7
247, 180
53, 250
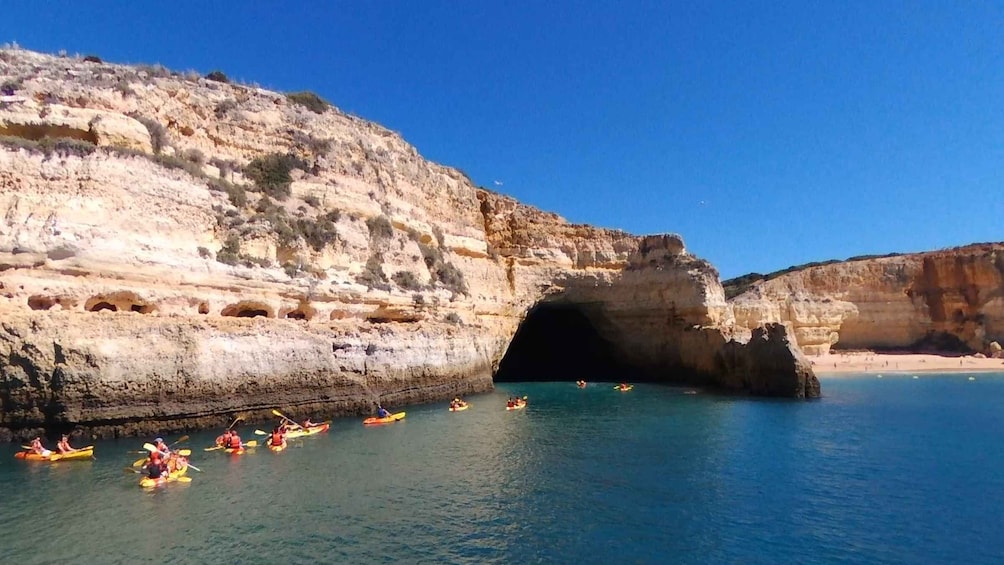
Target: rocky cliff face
175, 249
950, 300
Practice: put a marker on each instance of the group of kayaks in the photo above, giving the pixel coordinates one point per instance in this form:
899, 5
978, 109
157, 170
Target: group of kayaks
178, 464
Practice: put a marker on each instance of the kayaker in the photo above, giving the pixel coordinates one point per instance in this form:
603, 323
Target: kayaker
278, 437
308, 424
64, 445
37, 447
382, 412
224, 439
234, 442
161, 446
155, 467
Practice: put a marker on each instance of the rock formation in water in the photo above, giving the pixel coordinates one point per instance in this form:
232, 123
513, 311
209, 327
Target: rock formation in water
175, 249
942, 301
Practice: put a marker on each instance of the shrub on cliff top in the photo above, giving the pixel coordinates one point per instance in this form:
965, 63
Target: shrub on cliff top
218, 76
270, 173
309, 100
92, 59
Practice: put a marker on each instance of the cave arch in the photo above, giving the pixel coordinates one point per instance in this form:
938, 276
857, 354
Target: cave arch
124, 301
560, 342
303, 311
248, 309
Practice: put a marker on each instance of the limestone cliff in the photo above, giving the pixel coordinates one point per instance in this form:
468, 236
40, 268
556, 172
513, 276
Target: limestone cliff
175, 248
949, 300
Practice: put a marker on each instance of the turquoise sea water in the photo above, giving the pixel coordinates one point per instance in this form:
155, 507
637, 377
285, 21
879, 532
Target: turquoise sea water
891, 470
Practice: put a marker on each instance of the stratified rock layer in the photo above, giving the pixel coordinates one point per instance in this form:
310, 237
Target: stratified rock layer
949, 300
144, 291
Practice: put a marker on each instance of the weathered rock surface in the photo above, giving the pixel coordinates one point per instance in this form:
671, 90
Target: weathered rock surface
949, 300
143, 292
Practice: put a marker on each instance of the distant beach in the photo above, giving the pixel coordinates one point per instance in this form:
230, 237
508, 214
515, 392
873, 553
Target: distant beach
869, 362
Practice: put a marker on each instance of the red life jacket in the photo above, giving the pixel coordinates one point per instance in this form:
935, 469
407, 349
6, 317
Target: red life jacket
235, 442
277, 439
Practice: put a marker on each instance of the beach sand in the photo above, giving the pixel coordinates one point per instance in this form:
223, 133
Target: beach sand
841, 363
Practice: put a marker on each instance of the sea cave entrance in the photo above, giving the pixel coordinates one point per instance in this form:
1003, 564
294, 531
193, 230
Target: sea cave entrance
559, 342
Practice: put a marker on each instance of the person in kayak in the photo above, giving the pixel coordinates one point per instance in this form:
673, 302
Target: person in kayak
278, 437
234, 442
64, 445
382, 412
155, 467
307, 424
224, 439
162, 447
37, 447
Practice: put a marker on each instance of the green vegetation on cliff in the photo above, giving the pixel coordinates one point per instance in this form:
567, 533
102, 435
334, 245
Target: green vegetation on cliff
738, 285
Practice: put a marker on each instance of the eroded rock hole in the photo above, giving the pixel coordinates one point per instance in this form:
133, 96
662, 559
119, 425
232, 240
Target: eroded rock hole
248, 310
39, 302
103, 306
558, 342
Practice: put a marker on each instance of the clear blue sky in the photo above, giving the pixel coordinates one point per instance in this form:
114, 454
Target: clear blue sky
767, 135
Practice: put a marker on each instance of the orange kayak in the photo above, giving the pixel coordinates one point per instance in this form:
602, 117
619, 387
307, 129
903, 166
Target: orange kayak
389, 419
82, 453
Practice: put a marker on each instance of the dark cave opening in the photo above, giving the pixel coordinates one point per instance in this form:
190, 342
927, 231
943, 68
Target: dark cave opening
558, 342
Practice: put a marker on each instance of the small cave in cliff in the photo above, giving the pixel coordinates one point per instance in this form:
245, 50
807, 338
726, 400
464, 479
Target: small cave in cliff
303, 312
248, 309
558, 342
124, 301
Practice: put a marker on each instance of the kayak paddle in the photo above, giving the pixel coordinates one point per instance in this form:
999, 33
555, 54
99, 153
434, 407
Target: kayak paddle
281, 415
214, 448
131, 470
260, 433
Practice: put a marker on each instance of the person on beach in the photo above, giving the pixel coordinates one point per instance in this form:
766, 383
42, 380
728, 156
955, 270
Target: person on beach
37, 447
382, 412
64, 445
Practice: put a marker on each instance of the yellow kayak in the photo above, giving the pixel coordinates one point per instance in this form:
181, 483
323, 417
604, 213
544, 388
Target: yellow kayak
389, 419
518, 406
623, 388
302, 432
459, 408
82, 453
173, 477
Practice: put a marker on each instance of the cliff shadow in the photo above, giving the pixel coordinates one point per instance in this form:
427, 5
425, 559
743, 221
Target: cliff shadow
559, 342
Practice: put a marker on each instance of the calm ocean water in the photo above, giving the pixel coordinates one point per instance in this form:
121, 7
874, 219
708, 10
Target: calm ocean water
892, 470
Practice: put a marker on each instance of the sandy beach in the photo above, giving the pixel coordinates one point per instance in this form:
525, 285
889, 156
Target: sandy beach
867, 362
